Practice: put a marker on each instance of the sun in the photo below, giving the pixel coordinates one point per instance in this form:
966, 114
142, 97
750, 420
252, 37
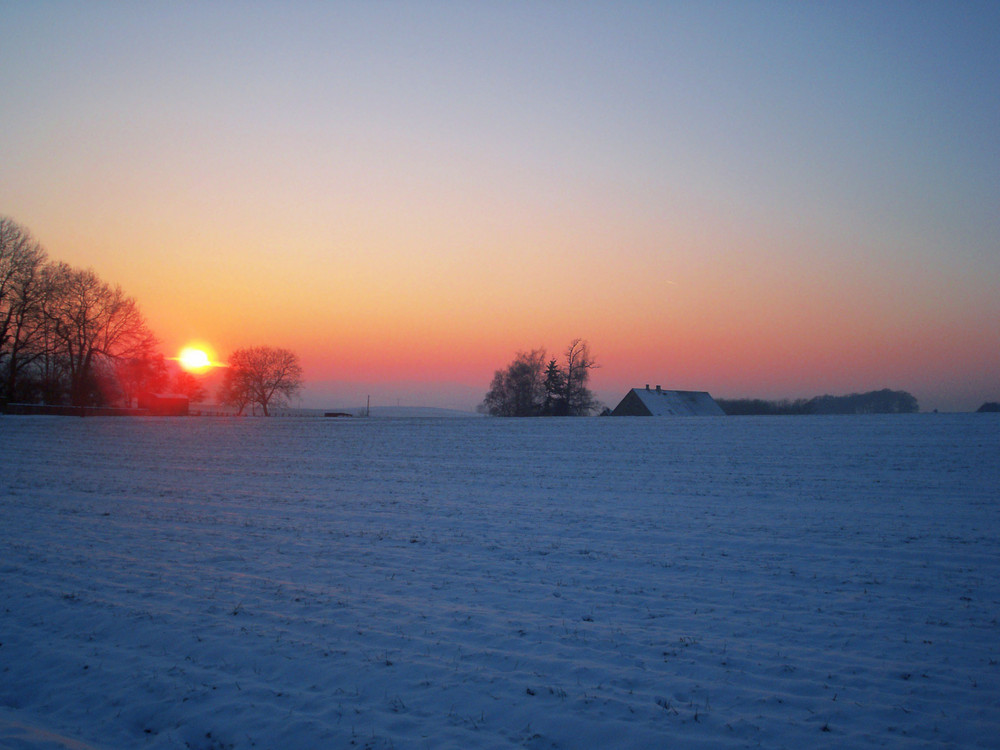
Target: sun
194, 359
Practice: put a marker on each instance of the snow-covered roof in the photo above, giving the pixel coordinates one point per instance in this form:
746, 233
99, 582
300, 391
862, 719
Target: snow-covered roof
661, 403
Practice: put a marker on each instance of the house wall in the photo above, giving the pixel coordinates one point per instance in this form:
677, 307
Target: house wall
631, 406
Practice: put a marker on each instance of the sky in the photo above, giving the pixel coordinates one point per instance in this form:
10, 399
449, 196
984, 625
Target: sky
757, 199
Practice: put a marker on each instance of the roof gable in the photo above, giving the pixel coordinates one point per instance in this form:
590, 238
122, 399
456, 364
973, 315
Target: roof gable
661, 403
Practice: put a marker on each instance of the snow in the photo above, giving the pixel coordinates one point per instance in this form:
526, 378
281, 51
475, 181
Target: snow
454, 583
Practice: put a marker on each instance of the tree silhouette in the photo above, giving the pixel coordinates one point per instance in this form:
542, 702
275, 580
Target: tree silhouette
261, 375
579, 400
142, 374
528, 387
188, 385
22, 260
92, 324
555, 391
517, 390
884, 401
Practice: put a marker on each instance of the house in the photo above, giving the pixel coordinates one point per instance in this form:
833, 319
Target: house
164, 404
645, 402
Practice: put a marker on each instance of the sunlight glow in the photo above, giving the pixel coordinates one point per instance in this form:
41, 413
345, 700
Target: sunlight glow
194, 359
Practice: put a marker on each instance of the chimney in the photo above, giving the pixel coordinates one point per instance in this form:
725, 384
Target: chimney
657, 389
647, 386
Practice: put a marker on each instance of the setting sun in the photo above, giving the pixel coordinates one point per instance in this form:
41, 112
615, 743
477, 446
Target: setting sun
194, 360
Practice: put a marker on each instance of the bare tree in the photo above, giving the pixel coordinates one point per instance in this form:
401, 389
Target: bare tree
92, 322
580, 401
188, 385
146, 373
21, 262
64, 331
261, 375
236, 389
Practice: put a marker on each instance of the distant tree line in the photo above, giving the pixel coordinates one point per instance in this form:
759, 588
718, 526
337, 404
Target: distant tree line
884, 401
989, 406
533, 385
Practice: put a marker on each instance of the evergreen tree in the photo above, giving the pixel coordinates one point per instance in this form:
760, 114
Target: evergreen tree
555, 391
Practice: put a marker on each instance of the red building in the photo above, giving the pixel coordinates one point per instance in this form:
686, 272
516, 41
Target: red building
164, 404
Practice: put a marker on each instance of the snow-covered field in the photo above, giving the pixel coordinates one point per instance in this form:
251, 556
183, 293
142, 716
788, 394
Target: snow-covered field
308, 583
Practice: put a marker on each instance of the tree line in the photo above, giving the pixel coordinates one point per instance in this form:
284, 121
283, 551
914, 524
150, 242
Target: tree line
533, 385
885, 401
68, 337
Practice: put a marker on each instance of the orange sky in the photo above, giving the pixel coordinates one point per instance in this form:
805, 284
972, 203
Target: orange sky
767, 203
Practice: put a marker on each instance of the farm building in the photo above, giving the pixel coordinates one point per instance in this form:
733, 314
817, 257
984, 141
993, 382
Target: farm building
645, 402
